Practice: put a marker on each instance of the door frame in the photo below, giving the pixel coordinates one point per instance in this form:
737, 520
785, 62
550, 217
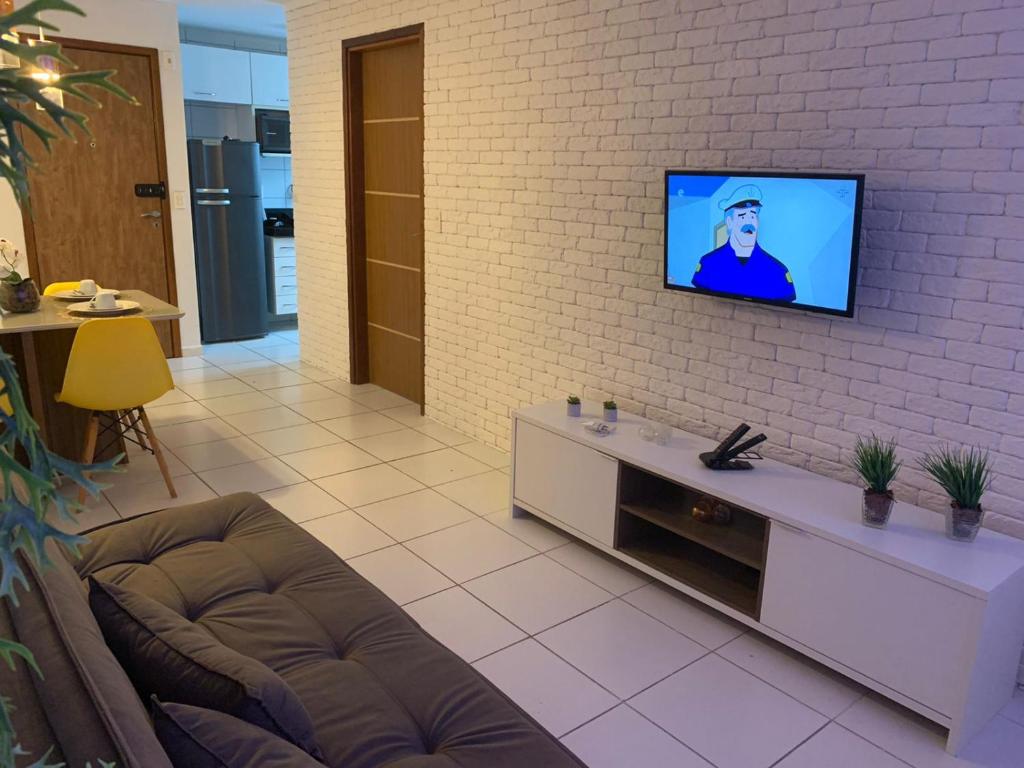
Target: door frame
28, 223
355, 213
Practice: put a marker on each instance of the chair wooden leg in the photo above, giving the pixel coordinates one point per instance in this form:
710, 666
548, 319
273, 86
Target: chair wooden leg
158, 452
89, 451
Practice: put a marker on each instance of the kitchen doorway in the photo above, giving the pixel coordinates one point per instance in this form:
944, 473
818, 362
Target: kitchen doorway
90, 218
383, 100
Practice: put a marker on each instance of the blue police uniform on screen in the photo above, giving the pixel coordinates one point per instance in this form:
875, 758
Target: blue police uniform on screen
741, 266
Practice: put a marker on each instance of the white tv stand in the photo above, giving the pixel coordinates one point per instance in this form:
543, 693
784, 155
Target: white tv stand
933, 624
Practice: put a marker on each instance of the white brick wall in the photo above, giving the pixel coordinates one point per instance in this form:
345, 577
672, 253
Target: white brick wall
548, 127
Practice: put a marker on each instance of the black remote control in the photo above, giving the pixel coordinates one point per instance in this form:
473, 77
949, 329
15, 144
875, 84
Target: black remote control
744, 447
730, 441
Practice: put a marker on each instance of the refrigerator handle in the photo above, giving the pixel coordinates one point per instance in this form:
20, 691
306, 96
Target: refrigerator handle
213, 202
213, 191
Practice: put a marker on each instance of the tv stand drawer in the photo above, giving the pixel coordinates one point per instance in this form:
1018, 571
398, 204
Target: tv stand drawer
887, 623
568, 481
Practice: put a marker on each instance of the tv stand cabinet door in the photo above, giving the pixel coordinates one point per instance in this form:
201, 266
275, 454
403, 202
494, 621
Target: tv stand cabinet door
911, 634
566, 480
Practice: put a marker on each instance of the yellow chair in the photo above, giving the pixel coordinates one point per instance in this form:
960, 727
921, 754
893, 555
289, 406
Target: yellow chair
116, 366
68, 285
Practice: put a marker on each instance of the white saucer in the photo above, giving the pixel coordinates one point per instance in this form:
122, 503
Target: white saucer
86, 308
75, 295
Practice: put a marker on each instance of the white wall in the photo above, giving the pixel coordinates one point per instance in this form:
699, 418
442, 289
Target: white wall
548, 126
150, 24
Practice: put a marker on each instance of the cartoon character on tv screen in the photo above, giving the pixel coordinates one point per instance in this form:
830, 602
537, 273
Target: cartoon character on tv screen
741, 266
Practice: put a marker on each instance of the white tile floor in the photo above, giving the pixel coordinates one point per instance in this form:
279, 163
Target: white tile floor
628, 673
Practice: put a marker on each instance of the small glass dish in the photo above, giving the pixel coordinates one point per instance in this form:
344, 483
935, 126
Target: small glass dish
652, 432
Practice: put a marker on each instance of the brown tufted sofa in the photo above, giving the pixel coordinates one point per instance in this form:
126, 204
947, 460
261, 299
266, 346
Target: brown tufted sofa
379, 690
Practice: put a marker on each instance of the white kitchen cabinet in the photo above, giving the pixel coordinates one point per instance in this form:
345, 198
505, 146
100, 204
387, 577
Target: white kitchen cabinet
219, 75
568, 481
269, 80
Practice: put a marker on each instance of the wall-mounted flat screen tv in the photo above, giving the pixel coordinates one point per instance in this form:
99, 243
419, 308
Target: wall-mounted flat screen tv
787, 239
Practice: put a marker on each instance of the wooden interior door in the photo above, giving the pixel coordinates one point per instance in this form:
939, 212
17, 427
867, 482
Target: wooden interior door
86, 219
384, 117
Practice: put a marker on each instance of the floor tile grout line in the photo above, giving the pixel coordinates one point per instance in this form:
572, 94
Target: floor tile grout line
670, 734
491, 608
534, 635
411, 538
657, 582
314, 421
872, 743
594, 552
772, 685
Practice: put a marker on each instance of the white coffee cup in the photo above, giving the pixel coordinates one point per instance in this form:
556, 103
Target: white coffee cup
87, 287
104, 300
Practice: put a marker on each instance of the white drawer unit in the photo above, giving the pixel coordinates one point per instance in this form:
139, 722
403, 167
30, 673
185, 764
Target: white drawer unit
935, 625
282, 282
284, 266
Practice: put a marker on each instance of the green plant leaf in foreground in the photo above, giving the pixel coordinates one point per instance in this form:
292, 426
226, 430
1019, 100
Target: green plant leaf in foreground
18, 90
30, 473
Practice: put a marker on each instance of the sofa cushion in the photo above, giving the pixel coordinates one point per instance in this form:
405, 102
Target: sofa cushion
85, 708
168, 656
379, 690
202, 738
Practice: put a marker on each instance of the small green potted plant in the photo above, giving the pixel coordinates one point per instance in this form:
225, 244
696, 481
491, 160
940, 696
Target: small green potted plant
17, 293
875, 462
611, 411
573, 406
964, 475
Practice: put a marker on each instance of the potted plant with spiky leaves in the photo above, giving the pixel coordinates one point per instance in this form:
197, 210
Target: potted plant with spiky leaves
964, 475
611, 410
876, 463
573, 406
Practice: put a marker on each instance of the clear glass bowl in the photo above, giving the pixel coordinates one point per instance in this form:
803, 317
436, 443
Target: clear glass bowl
656, 433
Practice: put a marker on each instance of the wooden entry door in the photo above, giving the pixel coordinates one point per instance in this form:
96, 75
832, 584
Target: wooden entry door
86, 219
384, 174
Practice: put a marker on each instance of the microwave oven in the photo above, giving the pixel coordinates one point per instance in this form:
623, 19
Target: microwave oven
273, 131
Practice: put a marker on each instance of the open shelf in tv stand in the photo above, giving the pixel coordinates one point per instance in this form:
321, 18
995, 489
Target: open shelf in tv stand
655, 525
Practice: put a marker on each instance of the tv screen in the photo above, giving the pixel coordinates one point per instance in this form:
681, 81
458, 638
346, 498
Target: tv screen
786, 239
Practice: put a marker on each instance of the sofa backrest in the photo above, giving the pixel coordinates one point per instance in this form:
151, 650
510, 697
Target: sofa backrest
86, 709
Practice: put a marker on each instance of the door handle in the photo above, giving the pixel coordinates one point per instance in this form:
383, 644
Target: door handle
204, 93
151, 214
213, 190
213, 202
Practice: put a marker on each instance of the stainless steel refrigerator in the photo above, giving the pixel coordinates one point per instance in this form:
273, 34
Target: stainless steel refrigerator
227, 221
